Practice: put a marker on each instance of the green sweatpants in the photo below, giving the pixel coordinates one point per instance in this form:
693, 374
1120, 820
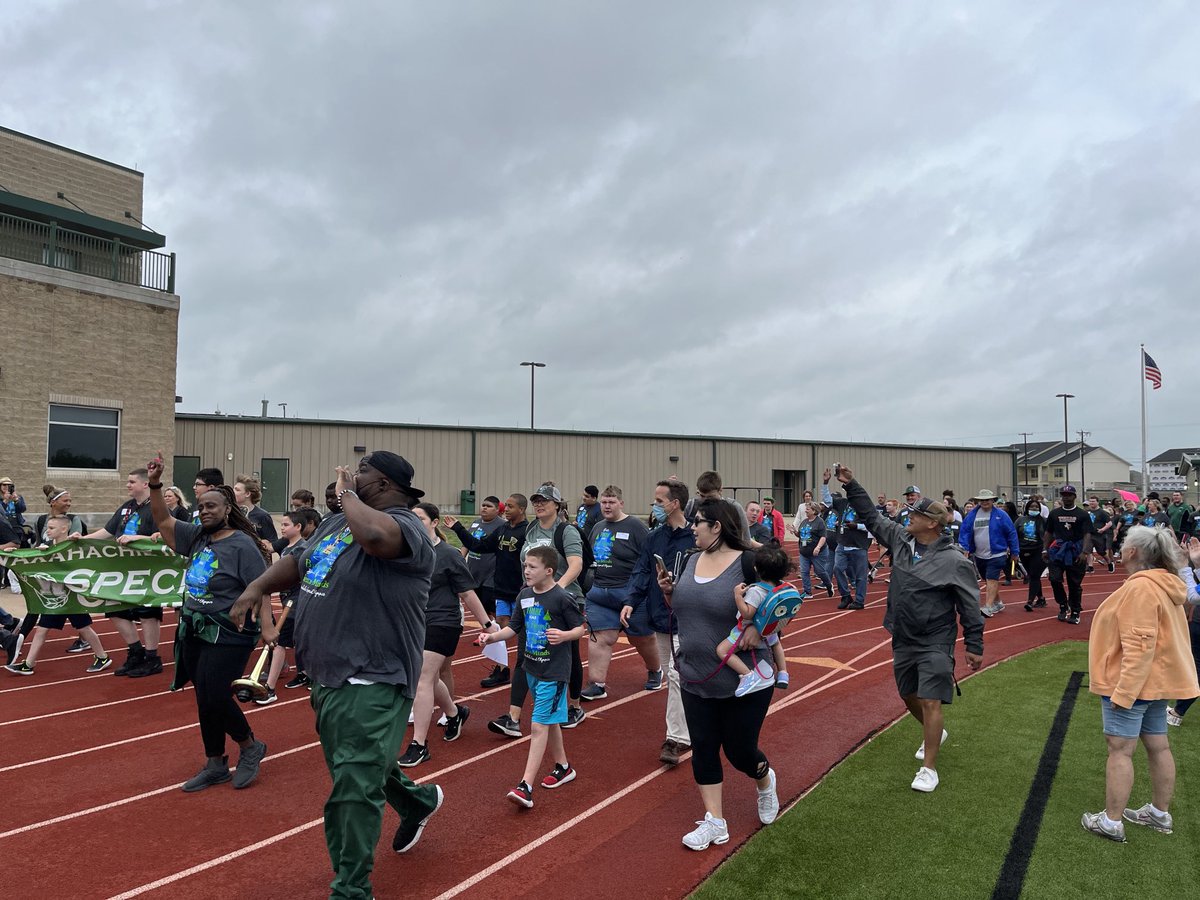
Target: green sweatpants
361, 727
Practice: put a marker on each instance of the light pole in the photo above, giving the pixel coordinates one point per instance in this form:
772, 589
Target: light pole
284, 405
1066, 433
1025, 459
1082, 472
533, 367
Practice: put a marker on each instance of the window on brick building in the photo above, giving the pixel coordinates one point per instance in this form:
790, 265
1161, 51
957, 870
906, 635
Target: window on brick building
83, 437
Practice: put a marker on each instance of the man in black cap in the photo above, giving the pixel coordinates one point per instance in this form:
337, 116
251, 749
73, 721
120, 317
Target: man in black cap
1068, 540
360, 626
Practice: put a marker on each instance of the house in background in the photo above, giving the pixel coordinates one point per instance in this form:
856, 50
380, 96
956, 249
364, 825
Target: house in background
1051, 464
1166, 471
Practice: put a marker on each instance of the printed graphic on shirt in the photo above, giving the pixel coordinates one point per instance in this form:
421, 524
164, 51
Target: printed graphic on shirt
479, 534
132, 524
537, 620
581, 517
199, 573
831, 519
805, 534
602, 548
1029, 530
324, 556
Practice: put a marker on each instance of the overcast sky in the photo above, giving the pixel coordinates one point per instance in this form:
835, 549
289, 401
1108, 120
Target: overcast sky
878, 221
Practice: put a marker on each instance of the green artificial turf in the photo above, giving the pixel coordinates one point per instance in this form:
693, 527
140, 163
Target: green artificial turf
864, 833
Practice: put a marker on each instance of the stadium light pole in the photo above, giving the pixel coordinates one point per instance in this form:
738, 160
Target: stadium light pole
533, 367
1066, 434
1025, 460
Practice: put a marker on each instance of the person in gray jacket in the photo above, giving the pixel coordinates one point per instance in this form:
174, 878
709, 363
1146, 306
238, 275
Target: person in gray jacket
932, 583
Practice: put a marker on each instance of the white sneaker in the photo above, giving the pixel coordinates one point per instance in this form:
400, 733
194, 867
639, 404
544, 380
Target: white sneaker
1174, 718
749, 682
926, 780
768, 801
711, 831
920, 754
987, 611
998, 607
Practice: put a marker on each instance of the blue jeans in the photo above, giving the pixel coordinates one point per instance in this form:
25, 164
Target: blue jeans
807, 564
848, 564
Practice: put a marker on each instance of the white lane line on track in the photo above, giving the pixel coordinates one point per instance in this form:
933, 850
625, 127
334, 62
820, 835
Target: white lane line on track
135, 739
67, 712
46, 684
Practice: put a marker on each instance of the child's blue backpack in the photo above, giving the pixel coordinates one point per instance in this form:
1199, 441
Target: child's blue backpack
777, 608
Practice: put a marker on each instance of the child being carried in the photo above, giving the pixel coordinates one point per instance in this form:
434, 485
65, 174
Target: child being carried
772, 565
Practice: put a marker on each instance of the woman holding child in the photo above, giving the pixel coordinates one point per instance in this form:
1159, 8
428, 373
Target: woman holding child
704, 606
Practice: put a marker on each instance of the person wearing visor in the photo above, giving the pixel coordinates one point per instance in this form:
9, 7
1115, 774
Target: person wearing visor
363, 586
933, 588
989, 536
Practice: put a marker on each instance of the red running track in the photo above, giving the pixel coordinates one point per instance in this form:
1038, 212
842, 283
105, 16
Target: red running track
96, 762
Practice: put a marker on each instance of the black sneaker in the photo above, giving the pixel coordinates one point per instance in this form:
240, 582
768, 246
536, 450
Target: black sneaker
247, 766
843, 604
298, 682
414, 755
214, 772
1029, 606
522, 795
575, 715
454, 724
829, 590
499, 676
132, 660
1089, 570
150, 665
270, 698
1073, 619
593, 692
409, 833
1112, 567
1040, 603
80, 646
558, 776
1062, 614
505, 725
12, 645
99, 664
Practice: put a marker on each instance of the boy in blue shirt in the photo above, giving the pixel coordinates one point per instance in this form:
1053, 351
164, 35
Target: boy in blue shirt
547, 619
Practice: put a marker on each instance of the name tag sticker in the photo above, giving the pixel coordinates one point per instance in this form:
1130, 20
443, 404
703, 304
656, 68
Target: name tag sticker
526, 602
622, 536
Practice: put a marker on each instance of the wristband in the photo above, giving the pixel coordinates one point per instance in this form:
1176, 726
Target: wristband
345, 491
154, 487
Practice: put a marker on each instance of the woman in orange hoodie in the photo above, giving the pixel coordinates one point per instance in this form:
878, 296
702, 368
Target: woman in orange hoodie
1139, 658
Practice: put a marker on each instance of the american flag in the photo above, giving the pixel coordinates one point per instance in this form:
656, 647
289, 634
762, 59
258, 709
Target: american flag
1153, 375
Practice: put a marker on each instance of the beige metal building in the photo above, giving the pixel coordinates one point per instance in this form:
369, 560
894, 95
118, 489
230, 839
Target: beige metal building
90, 320
301, 453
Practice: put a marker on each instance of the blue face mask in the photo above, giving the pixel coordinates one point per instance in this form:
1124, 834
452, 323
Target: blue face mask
659, 514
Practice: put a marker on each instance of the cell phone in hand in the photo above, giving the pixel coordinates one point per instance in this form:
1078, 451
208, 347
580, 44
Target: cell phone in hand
661, 566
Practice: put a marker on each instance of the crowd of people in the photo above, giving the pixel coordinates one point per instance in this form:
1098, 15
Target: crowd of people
374, 598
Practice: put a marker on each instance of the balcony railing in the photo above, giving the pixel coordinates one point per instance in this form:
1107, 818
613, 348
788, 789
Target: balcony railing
47, 244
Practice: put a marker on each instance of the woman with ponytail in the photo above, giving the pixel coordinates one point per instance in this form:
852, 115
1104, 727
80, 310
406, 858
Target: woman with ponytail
60, 505
211, 650
1139, 659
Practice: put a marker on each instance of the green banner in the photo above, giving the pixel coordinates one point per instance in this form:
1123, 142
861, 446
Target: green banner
97, 576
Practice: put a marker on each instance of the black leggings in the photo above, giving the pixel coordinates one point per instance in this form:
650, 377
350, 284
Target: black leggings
1034, 567
730, 724
518, 688
213, 668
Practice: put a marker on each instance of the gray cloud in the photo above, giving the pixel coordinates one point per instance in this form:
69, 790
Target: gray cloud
862, 221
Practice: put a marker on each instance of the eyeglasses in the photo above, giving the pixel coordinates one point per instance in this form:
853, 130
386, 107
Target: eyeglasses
700, 519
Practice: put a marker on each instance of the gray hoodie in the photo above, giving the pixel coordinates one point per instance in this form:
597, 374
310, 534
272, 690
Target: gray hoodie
925, 592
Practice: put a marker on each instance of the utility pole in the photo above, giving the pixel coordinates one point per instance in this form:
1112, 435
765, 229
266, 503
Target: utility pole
1025, 459
1066, 434
1082, 476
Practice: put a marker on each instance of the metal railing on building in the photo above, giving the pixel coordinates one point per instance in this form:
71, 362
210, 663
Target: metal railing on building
48, 244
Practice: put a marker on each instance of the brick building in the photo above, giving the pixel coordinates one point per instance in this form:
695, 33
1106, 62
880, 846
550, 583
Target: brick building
90, 317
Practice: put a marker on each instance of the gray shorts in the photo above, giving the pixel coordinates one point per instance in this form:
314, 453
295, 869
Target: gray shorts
927, 672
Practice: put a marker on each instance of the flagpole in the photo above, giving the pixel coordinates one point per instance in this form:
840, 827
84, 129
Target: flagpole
1145, 465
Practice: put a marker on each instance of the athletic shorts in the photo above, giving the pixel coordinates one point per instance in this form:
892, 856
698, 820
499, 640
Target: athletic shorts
504, 606
1144, 717
442, 639
927, 672
1101, 542
56, 623
287, 632
137, 614
549, 701
991, 569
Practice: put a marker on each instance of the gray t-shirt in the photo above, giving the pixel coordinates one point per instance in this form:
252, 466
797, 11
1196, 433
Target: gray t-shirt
983, 534
449, 579
217, 571
532, 615
361, 616
483, 565
537, 536
705, 613
616, 547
